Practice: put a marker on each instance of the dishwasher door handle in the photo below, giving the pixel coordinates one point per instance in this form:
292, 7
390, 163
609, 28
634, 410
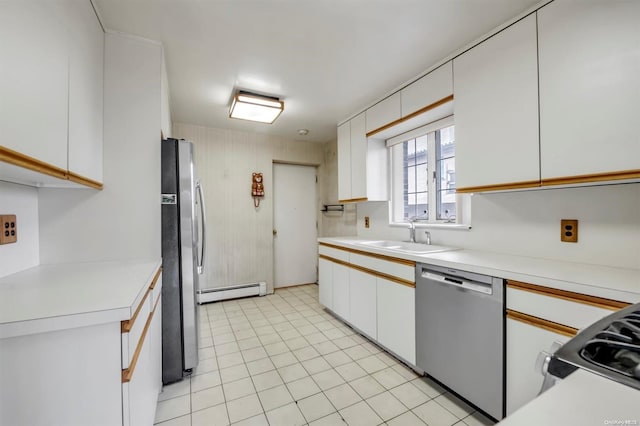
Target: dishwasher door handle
459, 282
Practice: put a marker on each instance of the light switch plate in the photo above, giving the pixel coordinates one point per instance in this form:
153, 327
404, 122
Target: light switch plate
569, 230
8, 229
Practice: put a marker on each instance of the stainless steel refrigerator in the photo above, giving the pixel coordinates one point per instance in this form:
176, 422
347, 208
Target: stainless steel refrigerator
183, 251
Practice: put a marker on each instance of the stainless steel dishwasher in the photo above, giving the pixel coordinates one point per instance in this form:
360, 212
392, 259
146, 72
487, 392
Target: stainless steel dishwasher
460, 333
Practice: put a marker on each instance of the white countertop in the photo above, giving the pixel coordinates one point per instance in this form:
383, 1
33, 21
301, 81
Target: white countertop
582, 398
55, 297
621, 284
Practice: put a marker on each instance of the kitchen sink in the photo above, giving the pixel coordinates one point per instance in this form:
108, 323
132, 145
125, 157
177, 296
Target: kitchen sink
405, 246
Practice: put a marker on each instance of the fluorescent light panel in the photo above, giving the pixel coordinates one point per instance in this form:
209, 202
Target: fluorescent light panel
252, 107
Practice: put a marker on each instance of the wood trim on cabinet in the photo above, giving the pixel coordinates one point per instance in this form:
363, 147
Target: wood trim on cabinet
21, 160
554, 327
127, 373
376, 255
73, 177
155, 278
594, 177
18, 159
127, 325
598, 302
353, 200
566, 180
334, 260
370, 271
412, 115
500, 186
428, 108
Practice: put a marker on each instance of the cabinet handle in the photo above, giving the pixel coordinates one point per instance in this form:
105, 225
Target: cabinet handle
554, 327
127, 325
585, 299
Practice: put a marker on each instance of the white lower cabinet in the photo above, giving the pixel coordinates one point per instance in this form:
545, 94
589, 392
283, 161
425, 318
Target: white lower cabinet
340, 281
397, 318
325, 283
538, 316
363, 302
140, 394
86, 375
354, 287
524, 343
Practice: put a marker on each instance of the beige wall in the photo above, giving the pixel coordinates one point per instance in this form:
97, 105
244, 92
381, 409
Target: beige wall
333, 224
240, 240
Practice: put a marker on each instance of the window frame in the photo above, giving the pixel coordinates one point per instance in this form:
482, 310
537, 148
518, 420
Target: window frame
395, 171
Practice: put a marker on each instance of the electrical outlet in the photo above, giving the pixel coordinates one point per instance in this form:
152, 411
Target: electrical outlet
569, 230
366, 221
8, 229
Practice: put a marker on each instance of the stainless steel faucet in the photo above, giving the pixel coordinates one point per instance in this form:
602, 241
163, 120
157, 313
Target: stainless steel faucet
412, 230
428, 234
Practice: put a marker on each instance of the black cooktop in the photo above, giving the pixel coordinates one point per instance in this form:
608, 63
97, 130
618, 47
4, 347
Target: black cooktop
610, 347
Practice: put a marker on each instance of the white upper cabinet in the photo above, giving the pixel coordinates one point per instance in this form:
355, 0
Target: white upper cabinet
589, 88
86, 65
384, 112
359, 164
426, 91
344, 161
496, 110
51, 92
34, 79
362, 163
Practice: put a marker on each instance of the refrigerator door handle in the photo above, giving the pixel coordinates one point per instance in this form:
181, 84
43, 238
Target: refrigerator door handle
203, 241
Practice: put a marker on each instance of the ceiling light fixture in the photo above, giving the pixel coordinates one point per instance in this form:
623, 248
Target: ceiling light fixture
253, 107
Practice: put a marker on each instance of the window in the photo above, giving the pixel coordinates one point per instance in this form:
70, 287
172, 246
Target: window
423, 174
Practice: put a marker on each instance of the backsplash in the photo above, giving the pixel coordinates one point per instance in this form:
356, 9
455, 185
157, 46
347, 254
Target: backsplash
23, 202
527, 223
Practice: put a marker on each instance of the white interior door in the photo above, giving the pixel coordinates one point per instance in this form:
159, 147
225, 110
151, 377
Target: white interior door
294, 223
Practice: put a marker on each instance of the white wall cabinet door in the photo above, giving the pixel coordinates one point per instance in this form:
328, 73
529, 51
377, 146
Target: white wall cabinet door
436, 85
34, 79
86, 65
325, 283
384, 112
396, 318
496, 109
524, 343
358, 157
341, 290
362, 301
589, 87
344, 161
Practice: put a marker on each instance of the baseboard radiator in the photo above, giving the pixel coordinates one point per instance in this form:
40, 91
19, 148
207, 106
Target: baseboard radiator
216, 294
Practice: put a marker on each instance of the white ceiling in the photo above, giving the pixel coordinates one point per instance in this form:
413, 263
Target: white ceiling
327, 59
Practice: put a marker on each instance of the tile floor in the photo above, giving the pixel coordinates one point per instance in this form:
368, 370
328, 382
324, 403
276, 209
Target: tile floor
281, 360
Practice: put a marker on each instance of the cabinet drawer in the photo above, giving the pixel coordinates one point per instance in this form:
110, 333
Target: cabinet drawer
334, 253
133, 328
562, 307
140, 390
402, 269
